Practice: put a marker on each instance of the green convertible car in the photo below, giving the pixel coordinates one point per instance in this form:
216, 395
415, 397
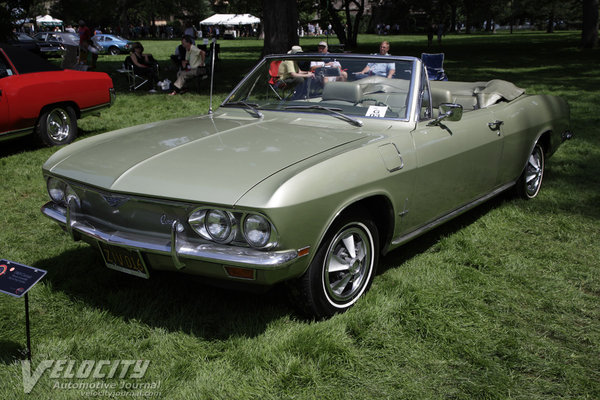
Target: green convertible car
308, 172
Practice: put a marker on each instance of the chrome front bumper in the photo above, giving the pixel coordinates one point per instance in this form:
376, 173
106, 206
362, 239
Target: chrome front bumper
177, 246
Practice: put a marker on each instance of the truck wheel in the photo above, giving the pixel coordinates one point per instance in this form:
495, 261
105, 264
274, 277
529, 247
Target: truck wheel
57, 126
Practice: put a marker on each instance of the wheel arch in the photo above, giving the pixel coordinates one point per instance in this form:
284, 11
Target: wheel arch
545, 140
71, 104
379, 207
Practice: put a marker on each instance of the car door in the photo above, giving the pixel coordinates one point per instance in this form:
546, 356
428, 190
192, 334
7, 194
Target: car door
5, 71
457, 162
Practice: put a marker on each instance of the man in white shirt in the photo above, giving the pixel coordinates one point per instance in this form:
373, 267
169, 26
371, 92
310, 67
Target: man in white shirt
194, 59
337, 75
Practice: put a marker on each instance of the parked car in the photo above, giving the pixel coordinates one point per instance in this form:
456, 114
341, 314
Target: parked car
306, 180
24, 41
111, 44
62, 38
38, 97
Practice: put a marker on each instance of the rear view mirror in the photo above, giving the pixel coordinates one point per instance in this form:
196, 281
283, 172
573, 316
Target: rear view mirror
449, 112
453, 112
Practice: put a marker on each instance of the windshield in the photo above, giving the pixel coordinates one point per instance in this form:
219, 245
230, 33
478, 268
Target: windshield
357, 86
25, 37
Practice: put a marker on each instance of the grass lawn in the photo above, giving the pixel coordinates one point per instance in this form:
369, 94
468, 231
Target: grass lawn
503, 302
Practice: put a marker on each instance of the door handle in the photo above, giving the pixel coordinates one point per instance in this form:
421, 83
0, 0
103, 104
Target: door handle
495, 126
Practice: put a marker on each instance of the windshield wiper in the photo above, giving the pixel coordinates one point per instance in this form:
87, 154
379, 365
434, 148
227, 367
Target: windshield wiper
249, 106
331, 110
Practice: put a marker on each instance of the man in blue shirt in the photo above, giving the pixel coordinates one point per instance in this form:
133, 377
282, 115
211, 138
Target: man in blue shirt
382, 69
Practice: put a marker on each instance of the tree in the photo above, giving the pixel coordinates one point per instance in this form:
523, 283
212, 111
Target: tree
280, 24
13, 10
589, 34
353, 11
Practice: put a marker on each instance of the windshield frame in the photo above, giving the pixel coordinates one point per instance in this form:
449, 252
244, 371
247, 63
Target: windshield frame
415, 72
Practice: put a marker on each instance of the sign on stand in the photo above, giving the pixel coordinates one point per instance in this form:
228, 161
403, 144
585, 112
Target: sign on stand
16, 280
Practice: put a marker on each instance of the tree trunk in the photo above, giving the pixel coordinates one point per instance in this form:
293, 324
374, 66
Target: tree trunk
589, 34
550, 26
353, 35
453, 18
280, 24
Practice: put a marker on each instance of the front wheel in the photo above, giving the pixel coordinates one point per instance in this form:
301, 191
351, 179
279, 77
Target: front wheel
57, 126
530, 181
114, 51
342, 270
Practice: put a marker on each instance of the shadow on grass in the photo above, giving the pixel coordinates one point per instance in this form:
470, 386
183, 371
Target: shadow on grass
11, 351
419, 245
172, 301
178, 302
19, 145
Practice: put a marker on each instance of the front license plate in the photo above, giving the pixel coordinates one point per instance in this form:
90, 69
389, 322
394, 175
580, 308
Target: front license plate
124, 260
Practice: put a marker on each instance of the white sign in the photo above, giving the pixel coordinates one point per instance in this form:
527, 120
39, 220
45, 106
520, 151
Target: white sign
376, 111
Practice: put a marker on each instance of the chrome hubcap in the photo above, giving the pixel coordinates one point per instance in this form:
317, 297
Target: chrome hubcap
58, 124
348, 264
535, 171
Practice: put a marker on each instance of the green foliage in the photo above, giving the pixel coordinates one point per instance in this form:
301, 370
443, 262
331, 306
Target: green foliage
503, 302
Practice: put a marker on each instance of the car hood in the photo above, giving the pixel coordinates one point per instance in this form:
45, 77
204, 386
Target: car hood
213, 160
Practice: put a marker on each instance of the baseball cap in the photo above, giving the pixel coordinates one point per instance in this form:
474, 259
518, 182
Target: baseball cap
295, 49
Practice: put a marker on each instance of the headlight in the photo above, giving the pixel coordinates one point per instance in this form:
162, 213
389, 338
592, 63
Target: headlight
56, 190
257, 230
60, 192
218, 224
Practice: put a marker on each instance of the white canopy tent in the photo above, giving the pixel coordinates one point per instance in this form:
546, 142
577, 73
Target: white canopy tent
47, 20
230, 19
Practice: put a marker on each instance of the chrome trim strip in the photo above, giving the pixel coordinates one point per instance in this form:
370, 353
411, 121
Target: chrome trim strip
22, 131
89, 110
180, 247
444, 218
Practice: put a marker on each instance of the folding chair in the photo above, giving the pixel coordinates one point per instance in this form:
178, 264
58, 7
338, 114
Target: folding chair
434, 62
274, 81
135, 81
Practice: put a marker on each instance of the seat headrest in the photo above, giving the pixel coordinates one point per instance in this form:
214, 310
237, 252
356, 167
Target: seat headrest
346, 91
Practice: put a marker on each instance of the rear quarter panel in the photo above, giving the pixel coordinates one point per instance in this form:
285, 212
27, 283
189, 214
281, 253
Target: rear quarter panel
525, 120
27, 94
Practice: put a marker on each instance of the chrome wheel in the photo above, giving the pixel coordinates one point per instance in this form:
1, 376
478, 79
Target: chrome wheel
58, 124
342, 269
534, 172
348, 265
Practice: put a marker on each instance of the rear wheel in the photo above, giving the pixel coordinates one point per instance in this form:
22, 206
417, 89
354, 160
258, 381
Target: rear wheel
342, 270
57, 126
114, 51
530, 182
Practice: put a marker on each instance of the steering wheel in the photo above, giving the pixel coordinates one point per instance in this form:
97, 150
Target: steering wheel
377, 102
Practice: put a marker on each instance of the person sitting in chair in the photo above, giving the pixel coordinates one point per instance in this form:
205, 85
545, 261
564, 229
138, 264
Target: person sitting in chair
336, 73
191, 66
382, 69
144, 64
178, 57
290, 72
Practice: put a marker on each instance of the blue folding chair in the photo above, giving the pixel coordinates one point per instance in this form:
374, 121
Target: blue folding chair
434, 62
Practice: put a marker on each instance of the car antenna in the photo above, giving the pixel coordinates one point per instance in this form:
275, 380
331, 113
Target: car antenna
212, 74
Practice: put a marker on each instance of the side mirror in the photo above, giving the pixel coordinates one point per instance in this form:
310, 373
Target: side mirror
448, 111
